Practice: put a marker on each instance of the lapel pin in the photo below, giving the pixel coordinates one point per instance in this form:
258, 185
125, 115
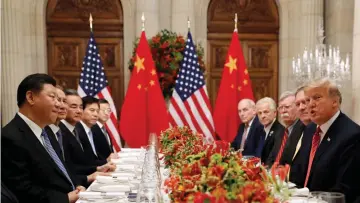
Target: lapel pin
328, 139
271, 132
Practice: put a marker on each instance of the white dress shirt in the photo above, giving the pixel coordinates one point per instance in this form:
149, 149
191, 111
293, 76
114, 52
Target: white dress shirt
268, 128
68, 126
105, 133
90, 136
33, 126
55, 129
325, 127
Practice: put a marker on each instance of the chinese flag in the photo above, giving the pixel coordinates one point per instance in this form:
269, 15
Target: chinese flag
235, 85
144, 109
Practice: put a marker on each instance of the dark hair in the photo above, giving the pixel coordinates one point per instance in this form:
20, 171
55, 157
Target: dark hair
87, 100
72, 92
34, 83
103, 101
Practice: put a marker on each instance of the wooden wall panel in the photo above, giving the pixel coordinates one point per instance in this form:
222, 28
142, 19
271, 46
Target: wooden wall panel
68, 34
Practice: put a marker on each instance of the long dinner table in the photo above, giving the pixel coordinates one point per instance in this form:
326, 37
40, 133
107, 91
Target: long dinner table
123, 184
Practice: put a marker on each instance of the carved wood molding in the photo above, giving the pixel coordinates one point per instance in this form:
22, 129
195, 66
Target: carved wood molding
73, 16
254, 16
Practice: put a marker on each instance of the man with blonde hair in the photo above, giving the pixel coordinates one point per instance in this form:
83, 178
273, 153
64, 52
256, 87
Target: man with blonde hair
266, 112
334, 150
248, 139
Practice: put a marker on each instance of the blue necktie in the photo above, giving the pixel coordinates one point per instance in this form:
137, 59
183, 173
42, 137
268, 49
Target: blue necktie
54, 156
91, 139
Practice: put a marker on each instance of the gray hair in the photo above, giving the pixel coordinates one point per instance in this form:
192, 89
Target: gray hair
299, 89
267, 100
71, 92
250, 102
285, 95
331, 86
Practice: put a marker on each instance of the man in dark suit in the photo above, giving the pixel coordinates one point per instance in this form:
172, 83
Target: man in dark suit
74, 152
334, 160
88, 120
248, 138
266, 112
287, 111
291, 153
56, 139
31, 168
102, 138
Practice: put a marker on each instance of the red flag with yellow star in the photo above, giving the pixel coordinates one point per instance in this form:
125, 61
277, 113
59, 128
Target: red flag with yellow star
144, 109
235, 85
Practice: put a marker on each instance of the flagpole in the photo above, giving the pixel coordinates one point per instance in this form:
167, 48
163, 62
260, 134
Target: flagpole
91, 21
236, 21
146, 91
188, 24
143, 22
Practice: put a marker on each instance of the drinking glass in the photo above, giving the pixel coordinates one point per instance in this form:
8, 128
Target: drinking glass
332, 197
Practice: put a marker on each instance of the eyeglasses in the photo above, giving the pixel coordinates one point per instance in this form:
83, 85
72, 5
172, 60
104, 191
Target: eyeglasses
107, 111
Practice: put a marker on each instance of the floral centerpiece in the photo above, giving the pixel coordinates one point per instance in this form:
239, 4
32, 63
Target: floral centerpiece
215, 173
166, 48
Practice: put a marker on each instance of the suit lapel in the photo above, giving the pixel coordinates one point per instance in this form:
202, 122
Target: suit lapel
84, 139
326, 141
31, 138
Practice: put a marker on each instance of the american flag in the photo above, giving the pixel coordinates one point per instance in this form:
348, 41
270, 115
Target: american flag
190, 105
93, 83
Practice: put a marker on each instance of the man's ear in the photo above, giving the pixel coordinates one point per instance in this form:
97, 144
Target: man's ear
30, 97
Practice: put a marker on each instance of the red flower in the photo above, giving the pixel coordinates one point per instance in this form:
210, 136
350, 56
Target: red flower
201, 198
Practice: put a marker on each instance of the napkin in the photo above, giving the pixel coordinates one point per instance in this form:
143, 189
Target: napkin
109, 179
300, 192
125, 167
114, 188
119, 174
132, 150
100, 195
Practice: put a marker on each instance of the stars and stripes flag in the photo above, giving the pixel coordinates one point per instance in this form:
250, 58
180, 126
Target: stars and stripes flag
190, 105
93, 82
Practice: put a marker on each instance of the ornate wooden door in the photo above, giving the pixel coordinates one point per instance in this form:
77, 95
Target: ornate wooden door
68, 33
258, 25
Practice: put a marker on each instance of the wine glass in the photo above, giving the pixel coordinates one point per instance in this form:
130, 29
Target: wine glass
332, 197
314, 197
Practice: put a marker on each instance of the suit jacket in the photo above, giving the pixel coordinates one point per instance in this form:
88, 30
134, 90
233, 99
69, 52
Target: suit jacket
336, 164
276, 131
252, 145
79, 179
277, 145
74, 154
27, 168
6, 195
87, 146
291, 143
103, 148
299, 165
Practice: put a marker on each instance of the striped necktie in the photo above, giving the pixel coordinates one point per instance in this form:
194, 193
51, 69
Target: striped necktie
282, 147
54, 156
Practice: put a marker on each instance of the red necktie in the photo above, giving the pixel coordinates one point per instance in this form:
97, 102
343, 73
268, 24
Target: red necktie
314, 145
285, 137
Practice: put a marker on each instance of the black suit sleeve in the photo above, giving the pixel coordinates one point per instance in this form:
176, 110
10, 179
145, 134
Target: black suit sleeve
348, 177
17, 162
